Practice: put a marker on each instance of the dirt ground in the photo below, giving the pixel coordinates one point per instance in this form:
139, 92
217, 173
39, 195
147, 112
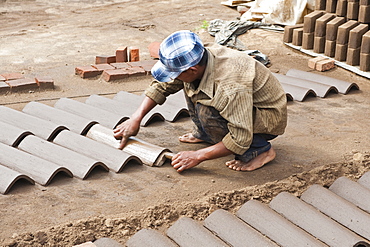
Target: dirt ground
325, 138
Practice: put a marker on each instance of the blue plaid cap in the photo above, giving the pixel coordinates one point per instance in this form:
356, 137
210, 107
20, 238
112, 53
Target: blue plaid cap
177, 53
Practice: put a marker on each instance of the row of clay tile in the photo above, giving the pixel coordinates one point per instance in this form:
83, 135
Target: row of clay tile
16, 82
338, 216
59, 145
313, 84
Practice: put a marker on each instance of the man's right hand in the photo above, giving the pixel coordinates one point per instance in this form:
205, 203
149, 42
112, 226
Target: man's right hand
123, 131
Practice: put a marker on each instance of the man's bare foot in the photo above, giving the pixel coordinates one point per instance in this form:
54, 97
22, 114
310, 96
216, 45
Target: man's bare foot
253, 164
189, 138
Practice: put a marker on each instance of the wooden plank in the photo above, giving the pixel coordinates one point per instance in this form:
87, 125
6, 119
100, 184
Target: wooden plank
73, 122
80, 165
40, 170
42, 128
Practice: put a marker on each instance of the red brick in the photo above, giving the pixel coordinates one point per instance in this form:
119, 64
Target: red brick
364, 14
135, 71
4, 87
154, 49
12, 76
22, 84
325, 64
103, 66
105, 59
44, 82
312, 62
114, 74
121, 54
146, 65
134, 54
364, 62
120, 65
2, 78
353, 56
87, 71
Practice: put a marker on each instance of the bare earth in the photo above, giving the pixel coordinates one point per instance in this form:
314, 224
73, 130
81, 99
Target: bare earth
325, 138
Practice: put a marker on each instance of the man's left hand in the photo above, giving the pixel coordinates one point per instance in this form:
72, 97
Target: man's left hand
185, 160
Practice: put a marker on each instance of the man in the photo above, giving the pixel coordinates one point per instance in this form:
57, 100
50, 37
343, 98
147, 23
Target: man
234, 101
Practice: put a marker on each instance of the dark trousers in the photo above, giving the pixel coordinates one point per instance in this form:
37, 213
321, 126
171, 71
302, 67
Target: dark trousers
211, 127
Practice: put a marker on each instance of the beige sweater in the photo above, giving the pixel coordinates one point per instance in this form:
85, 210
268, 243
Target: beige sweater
244, 91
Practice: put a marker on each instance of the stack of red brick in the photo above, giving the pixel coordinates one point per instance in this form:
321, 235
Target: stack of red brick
337, 29
126, 63
16, 82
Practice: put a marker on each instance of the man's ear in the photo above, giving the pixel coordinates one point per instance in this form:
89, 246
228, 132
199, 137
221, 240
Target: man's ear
193, 69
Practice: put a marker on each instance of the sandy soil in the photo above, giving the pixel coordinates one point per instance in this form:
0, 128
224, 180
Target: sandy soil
325, 138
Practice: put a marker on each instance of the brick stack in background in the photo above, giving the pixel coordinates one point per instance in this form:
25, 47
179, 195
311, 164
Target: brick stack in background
338, 29
124, 64
16, 82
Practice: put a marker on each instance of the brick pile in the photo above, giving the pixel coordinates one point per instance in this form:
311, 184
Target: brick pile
124, 64
16, 82
336, 28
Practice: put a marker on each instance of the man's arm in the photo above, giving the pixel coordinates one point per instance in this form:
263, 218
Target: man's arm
131, 126
188, 159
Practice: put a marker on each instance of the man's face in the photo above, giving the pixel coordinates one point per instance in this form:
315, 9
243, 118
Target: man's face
191, 74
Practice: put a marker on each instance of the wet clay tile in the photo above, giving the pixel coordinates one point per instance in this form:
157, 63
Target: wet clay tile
87, 71
45, 82
22, 84
103, 66
121, 54
105, 59
12, 76
114, 74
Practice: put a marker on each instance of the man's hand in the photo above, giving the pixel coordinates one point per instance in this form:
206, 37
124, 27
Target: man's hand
185, 160
126, 129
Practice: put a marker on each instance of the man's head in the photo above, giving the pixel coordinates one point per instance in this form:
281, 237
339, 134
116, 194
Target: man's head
177, 53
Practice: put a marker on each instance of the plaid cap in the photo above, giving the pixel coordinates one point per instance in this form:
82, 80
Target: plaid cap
177, 53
